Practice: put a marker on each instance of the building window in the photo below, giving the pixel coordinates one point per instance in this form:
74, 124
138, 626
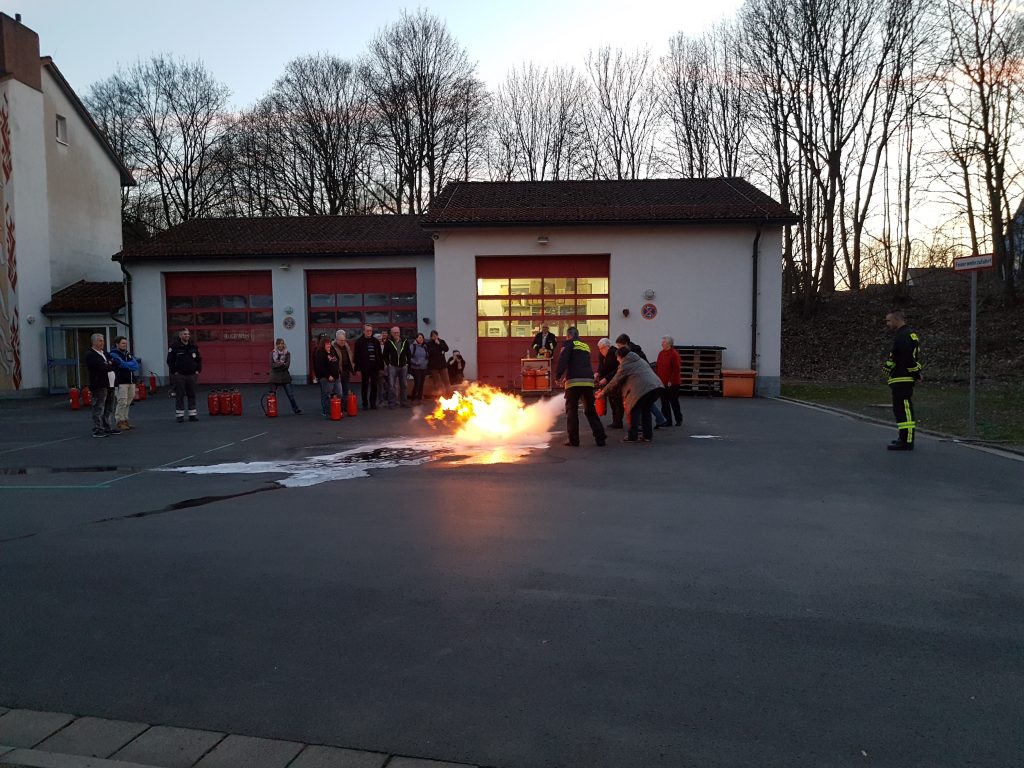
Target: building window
557, 302
62, 129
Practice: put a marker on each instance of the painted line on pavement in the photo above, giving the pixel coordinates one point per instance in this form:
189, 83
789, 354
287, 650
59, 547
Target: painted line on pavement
39, 445
246, 439
226, 445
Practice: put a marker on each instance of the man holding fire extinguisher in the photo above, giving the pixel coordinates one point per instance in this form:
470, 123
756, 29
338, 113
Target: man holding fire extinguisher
184, 364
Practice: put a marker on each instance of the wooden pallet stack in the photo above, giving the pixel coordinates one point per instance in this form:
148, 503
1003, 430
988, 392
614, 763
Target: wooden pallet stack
701, 369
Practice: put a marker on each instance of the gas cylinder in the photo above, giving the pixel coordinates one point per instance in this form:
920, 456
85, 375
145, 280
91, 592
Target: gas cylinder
225, 402
271, 404
73, 396
86, 396
529, 379
140, 391
236, 403
599, 404
352, 408
213, 402
152, 383
335, 408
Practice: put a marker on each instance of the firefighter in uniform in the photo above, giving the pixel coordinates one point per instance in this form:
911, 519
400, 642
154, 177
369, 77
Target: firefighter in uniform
184, 364
903, 367
575, 370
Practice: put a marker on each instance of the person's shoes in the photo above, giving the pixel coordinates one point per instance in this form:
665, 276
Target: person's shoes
679, 423
645, 439
569, 444
601, 442
297, 411
372, 408
180, 419
193, 418
129, 425
122, 425
112, 431
898, 446
365, 407
628, 439
98, 433
615, 426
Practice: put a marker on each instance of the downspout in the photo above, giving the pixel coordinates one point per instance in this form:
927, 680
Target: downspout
128, 302
753, 302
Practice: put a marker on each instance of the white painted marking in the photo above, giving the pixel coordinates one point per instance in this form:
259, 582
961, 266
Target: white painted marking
226, 445
246, 439
40, 445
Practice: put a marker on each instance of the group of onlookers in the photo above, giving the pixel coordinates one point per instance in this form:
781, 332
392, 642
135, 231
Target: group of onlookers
111, 377
384, 361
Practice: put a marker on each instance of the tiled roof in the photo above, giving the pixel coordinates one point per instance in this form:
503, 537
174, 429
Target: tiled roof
325, 235
86, 297
468, 203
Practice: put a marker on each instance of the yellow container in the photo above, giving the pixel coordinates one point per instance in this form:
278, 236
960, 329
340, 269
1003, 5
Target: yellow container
738, 383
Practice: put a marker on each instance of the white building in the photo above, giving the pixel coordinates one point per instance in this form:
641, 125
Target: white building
60, 199
489, 263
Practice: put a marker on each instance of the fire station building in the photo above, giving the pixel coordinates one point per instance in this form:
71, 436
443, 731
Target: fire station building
487, 266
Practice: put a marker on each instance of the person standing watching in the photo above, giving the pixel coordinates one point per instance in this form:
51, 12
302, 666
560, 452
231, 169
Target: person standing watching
325, 365
903, 367
280, 376
640, 387
396, 360
456, 368
102, 378
369, 362
419, 358
669, 370
575, 370
345, 364
185, 364
544, 342
437, 366
124, 376
606, 368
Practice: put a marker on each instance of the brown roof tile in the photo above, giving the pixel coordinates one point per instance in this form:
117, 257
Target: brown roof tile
285, 235
86, 297
724, 200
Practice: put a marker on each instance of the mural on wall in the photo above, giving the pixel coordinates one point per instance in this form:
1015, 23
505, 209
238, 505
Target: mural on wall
10, 344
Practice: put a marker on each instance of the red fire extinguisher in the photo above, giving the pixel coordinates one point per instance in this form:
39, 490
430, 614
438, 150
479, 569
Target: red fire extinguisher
140, 391
236, 403
600, 405
352, 409
335, 408
152, 383
213, 403
225, 402
269, 404
73, 396
86, 396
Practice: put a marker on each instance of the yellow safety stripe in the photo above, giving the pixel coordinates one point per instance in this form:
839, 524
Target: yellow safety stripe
901, 379
909, 424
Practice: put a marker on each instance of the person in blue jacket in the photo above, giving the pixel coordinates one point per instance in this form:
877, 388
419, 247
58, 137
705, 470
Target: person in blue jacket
126, 367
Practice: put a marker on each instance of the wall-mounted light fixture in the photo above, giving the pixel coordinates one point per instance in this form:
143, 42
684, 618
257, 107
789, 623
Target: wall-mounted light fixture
285, 267
543, 240
625, 313
649, 294
426, 320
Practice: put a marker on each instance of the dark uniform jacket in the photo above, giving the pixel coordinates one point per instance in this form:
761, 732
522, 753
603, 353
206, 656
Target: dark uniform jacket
184, 358
99, 364
368, 354
396, 353
574, 365
904, 363
435, 355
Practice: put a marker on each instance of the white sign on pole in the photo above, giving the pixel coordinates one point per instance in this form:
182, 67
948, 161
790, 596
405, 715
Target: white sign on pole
974, 263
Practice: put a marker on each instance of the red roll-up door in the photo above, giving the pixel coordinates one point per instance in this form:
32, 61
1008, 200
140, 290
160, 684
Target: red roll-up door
517, 295
231, 316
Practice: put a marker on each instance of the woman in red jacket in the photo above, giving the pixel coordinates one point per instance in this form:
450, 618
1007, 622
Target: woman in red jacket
668, 369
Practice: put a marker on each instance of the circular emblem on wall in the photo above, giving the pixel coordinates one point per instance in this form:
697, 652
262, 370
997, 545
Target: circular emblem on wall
289, 323
649, 311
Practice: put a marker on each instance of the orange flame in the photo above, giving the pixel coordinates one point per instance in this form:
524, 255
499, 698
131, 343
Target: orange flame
483, 414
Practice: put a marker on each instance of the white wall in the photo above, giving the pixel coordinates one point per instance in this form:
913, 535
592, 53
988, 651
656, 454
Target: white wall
289, 290
84, 192
702, 277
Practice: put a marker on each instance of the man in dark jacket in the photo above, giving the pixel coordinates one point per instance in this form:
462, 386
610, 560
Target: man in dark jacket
396, 362
369, 362
575, 370
125, 369
102, 377
185, 364
903, 367
606, 369
437, 365
544, 342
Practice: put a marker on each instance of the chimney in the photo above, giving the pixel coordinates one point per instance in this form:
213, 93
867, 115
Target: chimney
19, 52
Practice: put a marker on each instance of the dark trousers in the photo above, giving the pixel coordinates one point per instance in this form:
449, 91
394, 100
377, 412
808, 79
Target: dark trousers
184, 387
369, 388
903, 410
670, 400
618, 408
573, 395
103, 402
641, 415
419, 375
288, 391
328, 388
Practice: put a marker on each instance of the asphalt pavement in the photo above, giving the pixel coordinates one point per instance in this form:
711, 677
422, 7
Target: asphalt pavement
764, 586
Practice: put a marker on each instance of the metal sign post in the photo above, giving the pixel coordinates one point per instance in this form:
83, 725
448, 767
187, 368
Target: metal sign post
973, 264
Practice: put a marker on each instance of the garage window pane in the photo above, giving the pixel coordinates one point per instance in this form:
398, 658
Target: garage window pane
592, 327
490, 286
492, 329
524, 329
594, 307
491, 308
524, 285
179, 302
350, 299
353, 333
404, 317
375, 299
350, 318
261, 318
260, 301
592, 285
321, 299
208, 318
524, 307
207, 334
236, 318
559, 285
234, 302
236, 335
322, 317
378, 318
403, 299
208, 301
180, 319
560, 307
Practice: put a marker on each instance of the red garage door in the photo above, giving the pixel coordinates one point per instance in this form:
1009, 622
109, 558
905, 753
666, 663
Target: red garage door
518, 295
346, 299
231, 316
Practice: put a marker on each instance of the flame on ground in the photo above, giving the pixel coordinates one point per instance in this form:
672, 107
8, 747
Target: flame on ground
488, 416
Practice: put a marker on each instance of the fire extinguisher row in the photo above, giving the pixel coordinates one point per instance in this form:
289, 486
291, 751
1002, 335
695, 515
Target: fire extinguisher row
224, 402
79, 397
